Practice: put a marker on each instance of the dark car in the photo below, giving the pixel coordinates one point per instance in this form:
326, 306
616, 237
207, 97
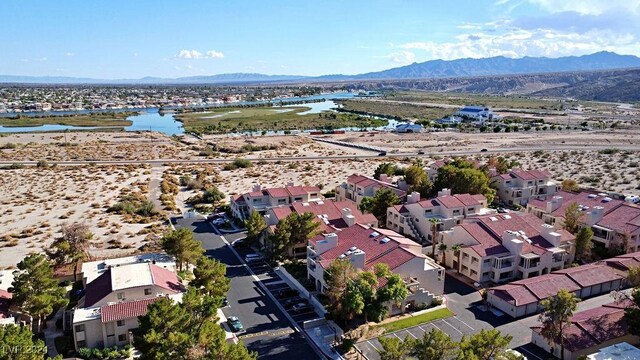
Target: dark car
484, 150
240, 244
225, 302
288, 292
302, 307
420, 152
235, 324
289, 303
382, 153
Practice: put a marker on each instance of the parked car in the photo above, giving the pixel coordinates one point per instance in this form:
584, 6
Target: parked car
249, 258
289, 303
484, 150
218, 221
288, 292
225, 302
234, 324
382, 153
302, 307
420, 152
240, 244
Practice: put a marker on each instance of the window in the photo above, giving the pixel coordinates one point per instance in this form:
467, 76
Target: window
297, 199
120, 323
486, 261
428, 212
121, 296
81, 344
79, 328
122, 337
282, 201
147, 291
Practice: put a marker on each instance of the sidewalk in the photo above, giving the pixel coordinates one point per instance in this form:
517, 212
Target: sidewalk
51, 332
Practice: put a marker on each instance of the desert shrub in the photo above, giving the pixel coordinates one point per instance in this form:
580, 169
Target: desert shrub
242, 163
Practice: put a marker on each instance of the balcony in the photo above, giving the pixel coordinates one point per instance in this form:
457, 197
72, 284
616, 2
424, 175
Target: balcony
502, 263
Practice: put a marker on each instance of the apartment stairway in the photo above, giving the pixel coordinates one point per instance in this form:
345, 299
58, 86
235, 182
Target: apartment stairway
414, 231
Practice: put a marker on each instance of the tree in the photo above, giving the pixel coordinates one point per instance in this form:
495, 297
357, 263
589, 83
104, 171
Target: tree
556, 315
572, 217
434, 345
303, 227
393, 348
633, 276
338, 276
569, 185
352, 301
584, 243
434, 231
461, 178
35, 290
256, 226
213, 196
210, 278
457, 250
378, 205
16, 339
632, 313
395, 290
485, 345
278, 242
388, 169
418, 180
186, 330
181, 244
366, 284
442, 248
72, 246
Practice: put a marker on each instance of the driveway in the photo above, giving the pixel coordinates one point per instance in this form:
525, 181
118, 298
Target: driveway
268, 331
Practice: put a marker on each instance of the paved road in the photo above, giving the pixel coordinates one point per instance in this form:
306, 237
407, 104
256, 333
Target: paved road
464, 301
268, 332
427, 153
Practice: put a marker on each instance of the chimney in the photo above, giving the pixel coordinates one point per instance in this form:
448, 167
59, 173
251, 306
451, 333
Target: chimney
289, 184
511, 242
384, 178
348, 217
548, 233
444, 192
402, 185
257, 187
357, 259
554, 204
596, 214
329, 242
413, 198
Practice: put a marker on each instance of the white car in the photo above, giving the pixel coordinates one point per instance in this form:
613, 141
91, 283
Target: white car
249, 258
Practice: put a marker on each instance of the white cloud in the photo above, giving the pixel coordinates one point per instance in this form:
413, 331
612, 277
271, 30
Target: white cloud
42, 59
195, 54
212, 54
69, 54
591, 7
402, 57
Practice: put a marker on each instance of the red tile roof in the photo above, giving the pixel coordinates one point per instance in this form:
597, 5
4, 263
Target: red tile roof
5, 301
589, 275
592, 327
548, 285
125, 310
449, 201
277, 192
625, 218
488, 244
514, 294
530, 174
393, 252
581, 198
165, 278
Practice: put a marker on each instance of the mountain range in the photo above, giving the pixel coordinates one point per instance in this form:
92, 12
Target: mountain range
433, 69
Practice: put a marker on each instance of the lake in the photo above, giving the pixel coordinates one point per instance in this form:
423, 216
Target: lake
151, 120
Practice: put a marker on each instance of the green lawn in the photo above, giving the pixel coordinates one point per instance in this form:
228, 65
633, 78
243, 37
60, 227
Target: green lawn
416, 320
111, 119
235, 119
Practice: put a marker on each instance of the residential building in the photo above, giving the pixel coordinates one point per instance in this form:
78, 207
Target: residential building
262, 200
593, 206
365, 247
619, 351
517, 187
589, 331
522, 297
332, 216
114, 300
357, 187
504, 247
5, 313
93, 269
409, 128
619, 228
476, 113
414, 217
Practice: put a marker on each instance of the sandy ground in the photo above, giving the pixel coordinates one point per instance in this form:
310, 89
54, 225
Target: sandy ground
34, 202
92, 146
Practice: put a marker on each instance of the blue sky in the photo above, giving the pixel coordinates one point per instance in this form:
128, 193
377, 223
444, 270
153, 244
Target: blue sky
136, 38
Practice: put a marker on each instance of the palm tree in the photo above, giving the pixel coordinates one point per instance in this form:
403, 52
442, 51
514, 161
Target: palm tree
442, 248
434, 224
456, 251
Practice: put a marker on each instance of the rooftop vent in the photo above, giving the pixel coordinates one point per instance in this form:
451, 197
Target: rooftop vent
374, 234
493, 218
507, 217
353, 248
592, 196
348, 253
602, 194
385, 240
606, 200
320, 203
305, 204
342, 256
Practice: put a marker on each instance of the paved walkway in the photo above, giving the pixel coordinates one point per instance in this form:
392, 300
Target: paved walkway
51, 332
